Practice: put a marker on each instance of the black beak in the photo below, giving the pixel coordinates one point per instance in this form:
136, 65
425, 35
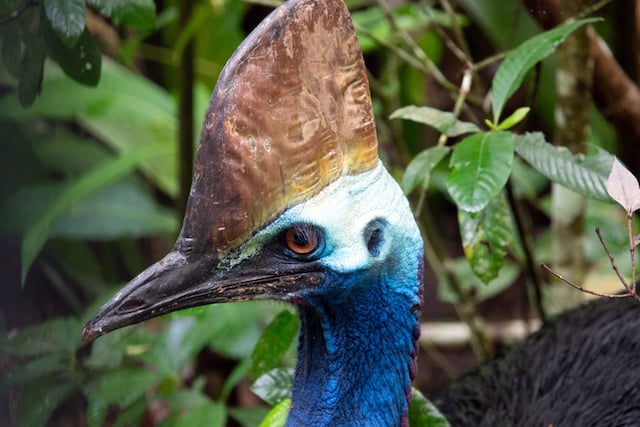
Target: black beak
177, 281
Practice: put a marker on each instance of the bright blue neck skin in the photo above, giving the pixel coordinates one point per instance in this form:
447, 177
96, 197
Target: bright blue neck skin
357, 344
356, 357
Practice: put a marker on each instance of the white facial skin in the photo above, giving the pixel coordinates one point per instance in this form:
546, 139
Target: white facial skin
343, 210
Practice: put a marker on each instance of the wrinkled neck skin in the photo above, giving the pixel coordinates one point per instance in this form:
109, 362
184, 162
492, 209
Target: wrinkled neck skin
357, 343
356, 360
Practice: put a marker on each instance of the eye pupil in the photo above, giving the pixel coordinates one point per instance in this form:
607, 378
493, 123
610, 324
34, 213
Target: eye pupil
302, 240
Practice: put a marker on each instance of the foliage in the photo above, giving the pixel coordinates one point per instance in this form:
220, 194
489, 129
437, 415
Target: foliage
90, 182
54, 361
482, 162
36, 30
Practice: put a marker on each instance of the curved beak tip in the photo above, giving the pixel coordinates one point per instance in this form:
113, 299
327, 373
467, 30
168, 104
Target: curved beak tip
90, 333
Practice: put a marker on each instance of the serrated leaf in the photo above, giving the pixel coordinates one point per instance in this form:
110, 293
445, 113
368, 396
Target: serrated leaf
445, 122
120, 387
623, 187
485, 237
481, 165
278, 415
423, 413
52, 336
274, 386
82, 61
421, 166
274, 343
37, 401
66, 18
515, 66
137, 14
585, 175
36, 236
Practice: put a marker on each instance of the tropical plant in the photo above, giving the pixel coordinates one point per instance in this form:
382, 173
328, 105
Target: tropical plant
91, 190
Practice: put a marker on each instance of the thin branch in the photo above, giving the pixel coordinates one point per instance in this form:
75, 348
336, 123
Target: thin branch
489, 61
580, 288
632, 251
630, 290
523, 230
457, 31
613, 261
590, 10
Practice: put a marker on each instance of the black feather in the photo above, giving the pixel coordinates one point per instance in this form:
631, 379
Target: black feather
579, 370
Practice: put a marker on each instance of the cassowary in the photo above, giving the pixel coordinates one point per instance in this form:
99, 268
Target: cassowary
290, 202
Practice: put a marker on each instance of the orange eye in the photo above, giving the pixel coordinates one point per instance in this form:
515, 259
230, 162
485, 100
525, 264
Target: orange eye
302, 240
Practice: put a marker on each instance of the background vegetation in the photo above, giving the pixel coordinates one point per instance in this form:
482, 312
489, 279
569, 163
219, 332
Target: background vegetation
100, 106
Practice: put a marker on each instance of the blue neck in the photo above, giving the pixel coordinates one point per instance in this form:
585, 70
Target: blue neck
356, 353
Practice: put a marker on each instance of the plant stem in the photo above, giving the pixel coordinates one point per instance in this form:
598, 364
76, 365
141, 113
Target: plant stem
185, 109
632, 252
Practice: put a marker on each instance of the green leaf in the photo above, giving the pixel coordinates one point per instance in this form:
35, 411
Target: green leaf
201, 15
123, 209
421, 166
445, 122
53, 150
36, 236
247, 416
514, 118
11, 48
481, 165
274, 343
82, 61
108, 352
120, 387
410, 17
208, 413
137, 14
66, 18
278, 415
586, 175
38, 401
423, 413
485, 237
40, 368
237, 374
131, 416
471, 283
274, 386
126, 111
31, 68
52, 336
515, 66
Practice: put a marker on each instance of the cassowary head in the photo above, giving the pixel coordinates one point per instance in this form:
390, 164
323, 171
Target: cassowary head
290, 202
